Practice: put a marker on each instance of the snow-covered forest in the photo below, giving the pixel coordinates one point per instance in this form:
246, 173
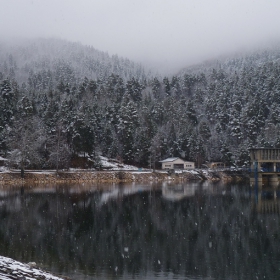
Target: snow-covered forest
60, 100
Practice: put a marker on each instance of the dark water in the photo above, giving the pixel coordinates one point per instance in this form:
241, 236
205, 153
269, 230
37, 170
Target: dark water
186, 231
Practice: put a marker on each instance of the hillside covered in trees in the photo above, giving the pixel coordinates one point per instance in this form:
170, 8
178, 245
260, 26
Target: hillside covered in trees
60, 99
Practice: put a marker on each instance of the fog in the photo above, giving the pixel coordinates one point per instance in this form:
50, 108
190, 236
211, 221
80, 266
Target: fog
166, 34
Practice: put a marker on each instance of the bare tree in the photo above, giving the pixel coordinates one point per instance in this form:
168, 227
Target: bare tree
26, 142
58, 149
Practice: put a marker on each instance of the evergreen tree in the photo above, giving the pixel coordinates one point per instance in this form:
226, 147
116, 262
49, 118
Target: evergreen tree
167, 87
127, 124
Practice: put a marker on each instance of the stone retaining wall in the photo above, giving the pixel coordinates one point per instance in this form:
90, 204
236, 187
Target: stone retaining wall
14, 178
75, 177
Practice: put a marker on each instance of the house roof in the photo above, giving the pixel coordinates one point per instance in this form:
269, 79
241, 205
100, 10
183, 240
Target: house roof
169, 159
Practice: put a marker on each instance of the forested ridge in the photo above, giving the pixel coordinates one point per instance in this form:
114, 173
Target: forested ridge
61, 99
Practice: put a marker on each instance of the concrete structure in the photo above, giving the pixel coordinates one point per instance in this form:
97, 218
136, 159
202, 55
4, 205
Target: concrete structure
176, 163
265, 165
266, 201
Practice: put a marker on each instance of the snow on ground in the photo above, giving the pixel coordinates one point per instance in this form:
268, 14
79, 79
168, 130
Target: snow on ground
114, 165
142, 172
3, 168
11, 269
192, 171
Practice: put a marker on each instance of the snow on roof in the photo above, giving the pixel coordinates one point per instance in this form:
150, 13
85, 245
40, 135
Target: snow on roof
169, 159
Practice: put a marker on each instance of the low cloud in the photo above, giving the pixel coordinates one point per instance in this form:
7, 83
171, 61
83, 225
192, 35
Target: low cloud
166, 34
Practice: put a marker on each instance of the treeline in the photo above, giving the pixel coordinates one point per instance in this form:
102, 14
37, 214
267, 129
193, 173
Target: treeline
51, 112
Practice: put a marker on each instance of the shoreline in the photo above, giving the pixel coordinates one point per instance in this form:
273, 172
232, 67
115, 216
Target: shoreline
118, 176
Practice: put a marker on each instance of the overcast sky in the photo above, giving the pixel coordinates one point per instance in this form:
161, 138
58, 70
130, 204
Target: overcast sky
173, 33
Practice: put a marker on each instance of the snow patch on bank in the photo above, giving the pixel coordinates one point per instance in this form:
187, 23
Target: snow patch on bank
111, 164
11, 269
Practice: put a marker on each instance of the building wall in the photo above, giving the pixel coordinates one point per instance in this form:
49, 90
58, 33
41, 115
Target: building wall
265, 155
167, 165
170, 165
267, 159
189, 165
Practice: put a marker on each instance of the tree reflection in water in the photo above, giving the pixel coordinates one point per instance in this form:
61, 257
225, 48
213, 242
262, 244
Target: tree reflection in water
136, 231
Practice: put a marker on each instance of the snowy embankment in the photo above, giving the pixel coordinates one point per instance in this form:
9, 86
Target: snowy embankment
113, 171
115, 165
11, 270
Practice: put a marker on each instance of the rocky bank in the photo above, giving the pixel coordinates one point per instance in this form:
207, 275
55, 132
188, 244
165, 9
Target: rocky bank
42, 177
14, 270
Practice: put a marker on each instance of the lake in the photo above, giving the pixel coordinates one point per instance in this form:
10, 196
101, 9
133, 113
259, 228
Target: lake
132, 231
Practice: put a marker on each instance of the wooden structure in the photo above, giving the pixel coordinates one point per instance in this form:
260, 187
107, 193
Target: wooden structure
265, 165
3, 161
176, 163
215, 165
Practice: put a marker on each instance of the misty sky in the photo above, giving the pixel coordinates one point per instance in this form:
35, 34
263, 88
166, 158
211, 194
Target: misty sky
173, 33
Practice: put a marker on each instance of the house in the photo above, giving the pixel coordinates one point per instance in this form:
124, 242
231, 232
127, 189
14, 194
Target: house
176, 163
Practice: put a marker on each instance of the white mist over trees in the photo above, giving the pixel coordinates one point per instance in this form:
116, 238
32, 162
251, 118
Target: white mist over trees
59, 100
166, 35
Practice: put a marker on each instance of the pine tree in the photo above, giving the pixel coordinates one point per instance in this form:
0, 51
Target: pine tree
167, 87
127, 124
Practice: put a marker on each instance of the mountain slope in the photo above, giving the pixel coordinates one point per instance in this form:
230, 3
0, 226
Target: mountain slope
62, 100
23, 59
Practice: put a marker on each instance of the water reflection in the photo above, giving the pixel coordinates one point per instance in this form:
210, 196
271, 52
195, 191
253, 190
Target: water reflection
266, 199
179, 191
130, 231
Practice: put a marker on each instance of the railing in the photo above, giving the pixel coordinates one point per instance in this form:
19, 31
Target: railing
269, 170
266, 169
263, 170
